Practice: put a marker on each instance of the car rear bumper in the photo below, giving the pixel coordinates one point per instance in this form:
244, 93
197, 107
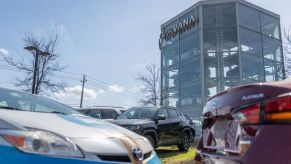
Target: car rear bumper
10, 155
271, 145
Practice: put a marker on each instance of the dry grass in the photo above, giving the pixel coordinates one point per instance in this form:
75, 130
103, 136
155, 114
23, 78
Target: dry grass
172, 155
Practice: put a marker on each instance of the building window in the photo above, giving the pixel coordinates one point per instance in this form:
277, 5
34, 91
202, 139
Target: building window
250, 42
211, 87
272, 49
270, 26
189, 46
190, 70
170, 54
252, 68
220, 40
223, 15
171, 76
172, 99
230, 64
230, 82
211, 64
273, 71
249, 18
190, 95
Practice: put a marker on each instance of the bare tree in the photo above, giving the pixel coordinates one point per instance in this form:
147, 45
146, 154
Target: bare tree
151, 85
48, 64
287, 50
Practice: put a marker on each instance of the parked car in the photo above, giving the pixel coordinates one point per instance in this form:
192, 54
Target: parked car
102, 112
248, 124
192, 126
34, 130
161, 126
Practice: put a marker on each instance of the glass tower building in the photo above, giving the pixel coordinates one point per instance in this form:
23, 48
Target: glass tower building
214, 45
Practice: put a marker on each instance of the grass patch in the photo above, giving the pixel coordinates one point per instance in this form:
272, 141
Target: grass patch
171, 154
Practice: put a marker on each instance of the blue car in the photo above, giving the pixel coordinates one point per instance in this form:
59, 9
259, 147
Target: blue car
35, 129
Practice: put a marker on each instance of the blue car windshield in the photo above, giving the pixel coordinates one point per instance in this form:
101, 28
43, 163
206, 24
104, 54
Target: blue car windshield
14, 100
138, 113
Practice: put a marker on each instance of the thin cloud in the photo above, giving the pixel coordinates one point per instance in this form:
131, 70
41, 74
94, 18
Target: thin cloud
115, 88
4, 52
75, 92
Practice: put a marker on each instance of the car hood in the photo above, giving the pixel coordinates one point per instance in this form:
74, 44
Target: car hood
124, 122
90, 134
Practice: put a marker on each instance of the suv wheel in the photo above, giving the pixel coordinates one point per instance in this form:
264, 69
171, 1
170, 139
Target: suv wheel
184, 146
152, 141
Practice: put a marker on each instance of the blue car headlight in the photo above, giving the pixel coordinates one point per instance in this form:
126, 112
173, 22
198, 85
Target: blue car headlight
42, 142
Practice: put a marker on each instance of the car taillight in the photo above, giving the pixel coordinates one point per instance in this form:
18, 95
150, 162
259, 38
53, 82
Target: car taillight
278, 109
248, 115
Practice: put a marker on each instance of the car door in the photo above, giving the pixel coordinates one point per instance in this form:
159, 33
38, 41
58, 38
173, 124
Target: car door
164, 128
176, 126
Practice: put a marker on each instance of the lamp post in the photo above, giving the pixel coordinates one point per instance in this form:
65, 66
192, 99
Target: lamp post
37, 53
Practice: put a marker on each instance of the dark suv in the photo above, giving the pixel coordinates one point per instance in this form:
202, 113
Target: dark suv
161, 126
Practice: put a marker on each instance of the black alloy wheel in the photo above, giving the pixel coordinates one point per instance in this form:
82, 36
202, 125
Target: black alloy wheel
184, 146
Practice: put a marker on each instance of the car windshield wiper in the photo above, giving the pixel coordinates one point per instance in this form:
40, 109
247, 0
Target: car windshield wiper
57, 112
11, 108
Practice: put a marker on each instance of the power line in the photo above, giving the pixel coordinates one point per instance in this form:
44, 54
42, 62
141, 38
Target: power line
115, 90
108, 86
93, 82
122, 94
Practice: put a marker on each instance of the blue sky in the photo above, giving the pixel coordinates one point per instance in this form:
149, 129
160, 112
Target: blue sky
109, 40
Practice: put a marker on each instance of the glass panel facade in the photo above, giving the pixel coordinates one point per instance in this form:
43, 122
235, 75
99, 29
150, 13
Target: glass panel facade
220, 48
170, 54
273, 71
171, 76
272, 49
211, 87
249, 18
189, 46
222, 52
190, 95
172, 99
250, 42
252, 68
231, 64
270, 26
174, 37
220, 40
211, 62
231, 82
190, 70
222, 15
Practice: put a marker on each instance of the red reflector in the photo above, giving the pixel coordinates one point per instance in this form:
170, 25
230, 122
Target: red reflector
248, 115
278, 105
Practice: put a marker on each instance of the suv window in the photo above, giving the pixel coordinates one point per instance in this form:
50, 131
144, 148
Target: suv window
109, 114
163, 112
173, 113
96, 113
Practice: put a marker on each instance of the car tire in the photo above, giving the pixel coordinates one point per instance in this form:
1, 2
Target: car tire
185, 144
152, 141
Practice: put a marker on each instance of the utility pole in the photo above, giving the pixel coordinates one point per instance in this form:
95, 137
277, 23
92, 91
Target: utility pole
82, 93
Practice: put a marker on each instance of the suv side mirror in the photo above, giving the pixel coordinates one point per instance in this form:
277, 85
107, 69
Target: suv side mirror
161, 117
191, 122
